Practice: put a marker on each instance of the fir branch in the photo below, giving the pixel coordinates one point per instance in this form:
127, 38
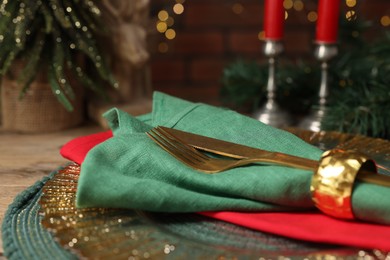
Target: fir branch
59, 14
361, 100
49, 20
84, 16
97, 87
363, 109
8, 61
59, 63
243, 83
82, 77
31, 69
24, 19
8, 10
94, 11
64, 29
56, 88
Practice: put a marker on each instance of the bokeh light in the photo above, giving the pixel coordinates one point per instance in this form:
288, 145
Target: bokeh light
163, 15
288, 4
312, 16
170, 34
237, 8
298, 5
261, 35
161, 26
178, 8
351, 15
350, 3
385, 20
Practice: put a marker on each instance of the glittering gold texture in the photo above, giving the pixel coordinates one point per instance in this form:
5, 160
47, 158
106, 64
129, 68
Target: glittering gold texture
98, 233
333, 182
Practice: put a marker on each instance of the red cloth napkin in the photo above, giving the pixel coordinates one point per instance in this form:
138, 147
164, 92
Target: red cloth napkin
309, 226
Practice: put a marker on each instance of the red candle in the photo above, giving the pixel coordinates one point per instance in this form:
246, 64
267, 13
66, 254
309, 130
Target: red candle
327, 23
273, 19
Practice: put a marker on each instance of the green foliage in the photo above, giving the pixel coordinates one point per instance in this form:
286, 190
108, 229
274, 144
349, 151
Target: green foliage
361, 101
243, 83
299, 90
52, 34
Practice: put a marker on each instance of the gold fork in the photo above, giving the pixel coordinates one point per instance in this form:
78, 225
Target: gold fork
202, 162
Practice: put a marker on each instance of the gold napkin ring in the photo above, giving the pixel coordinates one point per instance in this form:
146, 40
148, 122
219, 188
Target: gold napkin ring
332, 183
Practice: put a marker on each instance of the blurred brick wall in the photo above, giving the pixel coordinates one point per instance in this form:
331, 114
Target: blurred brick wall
210, 34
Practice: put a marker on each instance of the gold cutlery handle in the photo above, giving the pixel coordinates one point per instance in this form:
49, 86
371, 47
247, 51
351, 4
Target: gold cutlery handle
312, 165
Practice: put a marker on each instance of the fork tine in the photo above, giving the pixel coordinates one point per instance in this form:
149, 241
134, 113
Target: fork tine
181, 148
162, 144
187, 154
183, 145
171, 148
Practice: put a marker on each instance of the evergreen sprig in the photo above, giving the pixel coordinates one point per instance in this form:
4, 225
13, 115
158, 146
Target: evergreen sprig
52, 34
245, 82
239, 76
361, 101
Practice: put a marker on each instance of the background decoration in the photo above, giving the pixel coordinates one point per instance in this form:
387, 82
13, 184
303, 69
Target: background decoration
326, 49
128, 51
361, 103
52, 35
128, 23
359, 79
274, 17
165, 22
50, 58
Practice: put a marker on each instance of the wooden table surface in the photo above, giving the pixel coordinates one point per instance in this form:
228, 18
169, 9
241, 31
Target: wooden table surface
26, 158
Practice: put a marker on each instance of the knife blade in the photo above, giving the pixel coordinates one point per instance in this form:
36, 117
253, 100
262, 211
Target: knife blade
234, 150
239, 151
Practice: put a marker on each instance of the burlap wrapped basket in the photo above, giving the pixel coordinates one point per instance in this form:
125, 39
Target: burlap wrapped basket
39, 110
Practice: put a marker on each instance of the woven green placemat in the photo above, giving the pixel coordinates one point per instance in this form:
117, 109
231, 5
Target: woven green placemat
23, 235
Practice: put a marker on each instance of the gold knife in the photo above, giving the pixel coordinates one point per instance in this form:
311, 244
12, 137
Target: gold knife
239, 151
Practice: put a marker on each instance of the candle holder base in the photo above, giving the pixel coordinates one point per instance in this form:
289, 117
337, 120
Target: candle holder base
271, 114
324, 53
314, 121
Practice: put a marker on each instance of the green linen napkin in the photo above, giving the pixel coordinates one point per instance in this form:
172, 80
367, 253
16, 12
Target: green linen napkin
130, 171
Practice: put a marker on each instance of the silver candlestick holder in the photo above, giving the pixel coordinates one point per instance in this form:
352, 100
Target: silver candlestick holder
271, 113
324, 53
